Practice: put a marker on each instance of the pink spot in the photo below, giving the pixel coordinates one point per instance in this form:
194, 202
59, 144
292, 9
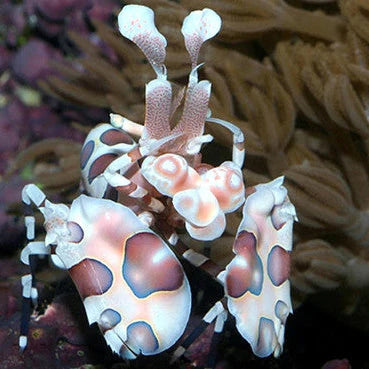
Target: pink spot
76, 232
142, 337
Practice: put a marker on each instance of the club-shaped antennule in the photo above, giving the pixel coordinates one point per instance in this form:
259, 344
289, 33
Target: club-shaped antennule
136, 22
157, 109
199, 26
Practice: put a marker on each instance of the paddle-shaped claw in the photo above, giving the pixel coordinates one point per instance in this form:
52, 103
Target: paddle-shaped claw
256, 280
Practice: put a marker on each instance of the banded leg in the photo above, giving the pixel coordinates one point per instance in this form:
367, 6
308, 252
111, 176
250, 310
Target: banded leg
31, 194
124, 162
127, 187
29, 257
217, 313
193, 257
218, 329
26, 311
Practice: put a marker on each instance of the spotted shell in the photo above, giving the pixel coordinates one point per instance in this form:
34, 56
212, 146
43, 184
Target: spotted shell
130, 282
103, 144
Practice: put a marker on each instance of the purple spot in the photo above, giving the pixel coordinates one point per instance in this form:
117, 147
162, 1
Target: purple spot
141, 337
244, 241
245, 272
281, 311
278, 265
76, 232
266, 338
109, 318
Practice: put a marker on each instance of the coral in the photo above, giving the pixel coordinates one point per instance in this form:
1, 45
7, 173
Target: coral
356, 13
52, 17
247, 19
38, 55
316, 266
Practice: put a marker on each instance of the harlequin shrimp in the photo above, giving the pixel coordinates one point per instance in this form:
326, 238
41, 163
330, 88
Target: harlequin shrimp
104, 237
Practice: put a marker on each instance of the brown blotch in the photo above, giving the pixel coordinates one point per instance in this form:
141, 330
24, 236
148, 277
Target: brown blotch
266, 335
99, 165
114, 137
237, 281
91, 277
